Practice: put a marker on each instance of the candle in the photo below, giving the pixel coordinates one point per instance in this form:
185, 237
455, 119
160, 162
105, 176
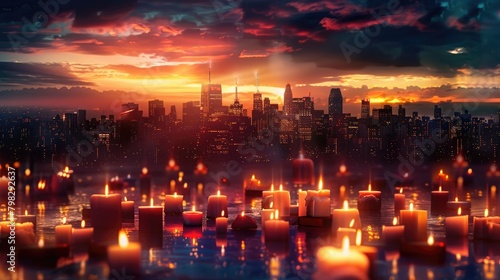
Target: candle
125, 257
344, 263
393, 235
127, 211
24, 234
64, 233
265, 216
425, 251
318, 202
276, 230
221, 224
173, 204
302, 203
302, 171
4, 189
244, 222
343, 232
43, 254
438, 201
266, 195
370, 252
454, 205
82, 237
115, 183
457, 226
106, 215
480, 225
494, 231
399, 201
369, 200
27, 219
151, 225
343, 217
145, 182
192, 218
415, 222
281, 200
216, 204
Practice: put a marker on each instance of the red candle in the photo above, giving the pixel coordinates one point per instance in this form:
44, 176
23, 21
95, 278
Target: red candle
192, 218
399, 201
82, 237
303, 171
127, 211
243, 222
64, 233
369, 200
216, 204
173, 204
106, 215
151, 225
125, 257
393, 235
415, 222
457, 226
438, 201
221, 224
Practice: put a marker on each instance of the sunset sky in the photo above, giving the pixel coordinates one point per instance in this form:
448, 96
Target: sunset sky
400, 51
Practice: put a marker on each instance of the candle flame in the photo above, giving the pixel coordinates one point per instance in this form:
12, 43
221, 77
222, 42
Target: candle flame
171, 163
411, 206
272, 187
469, 171
272, 216
27, 172
441, 172
64, 220
41, 184
253, 176
343, 168
456, 199
175, 194
345, 245
66, 169
447, 177
271, 204
41, 243
395, 221
370, 187
276, 215
320, 184
346, 205
281, 187
459, 211
401, 190
222, 213
351, 224
124, 198
358, 237
122, 239
486, 212
151, 201
25, 212
82, 225
440, 188
194, 209
242, 213
218, 192
106, 190
144, 170
430, 240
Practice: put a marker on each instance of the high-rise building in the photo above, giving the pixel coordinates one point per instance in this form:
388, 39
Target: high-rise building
257, 101
335, 101
130, 111
173, 113
211, 97
288, 100
365, 108
191, 114
401, 111
82, 118
236, 108
267, 104
70, 124
153, 104
437, 112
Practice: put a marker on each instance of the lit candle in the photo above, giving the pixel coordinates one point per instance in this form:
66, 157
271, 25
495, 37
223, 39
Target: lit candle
173, 204
266, 215
343, 217
216, 204
480, 225
399, 201
42, 254
430, 251
192, 218
457, 226
344, 263
302, 203
369, 199
125, 257
26, 218
64, 233
349, 232
302, 171
106, 215
415, 222
127, 211
281, 200
439, 199
82, 237
276, 230
244, 222
393, 235
267, 198
221, 224
454, 205
494, 231
151, 225
145, 182
318, 202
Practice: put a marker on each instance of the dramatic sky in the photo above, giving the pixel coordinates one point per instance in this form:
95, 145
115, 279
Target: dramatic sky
388, 51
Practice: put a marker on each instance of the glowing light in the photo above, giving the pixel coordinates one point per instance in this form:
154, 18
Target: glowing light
345, 245
151, 202
253, 176
41, 243
171, 163
469, 171
122, 239
106, 190
395, 221
271, 205
486, 212
441, 172
276, 214
430, 240
456, 199
125, 198
64, 220
440, 188
175, 194
346, 205
272, 187
194, 209
82, 224
370, 187
41, 184
320, 184
411, 206
242, 213
66, 169
144, 170
222, 213
358, 237
351, 224
218, 193
25, 212
342, 168
281, 187
459, 211
27, 172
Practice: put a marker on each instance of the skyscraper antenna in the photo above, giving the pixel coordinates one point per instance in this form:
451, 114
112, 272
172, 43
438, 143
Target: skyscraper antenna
257, 81
209, 68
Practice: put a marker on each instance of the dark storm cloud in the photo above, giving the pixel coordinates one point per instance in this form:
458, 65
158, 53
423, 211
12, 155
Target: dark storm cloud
24, 74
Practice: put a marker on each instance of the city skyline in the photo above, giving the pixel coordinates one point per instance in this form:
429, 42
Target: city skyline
425, 51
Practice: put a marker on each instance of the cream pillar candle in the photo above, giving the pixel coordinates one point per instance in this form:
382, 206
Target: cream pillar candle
216, 204
302, 203
281, 200
64, 233
343, 217
125, 257
457, 226
415, 222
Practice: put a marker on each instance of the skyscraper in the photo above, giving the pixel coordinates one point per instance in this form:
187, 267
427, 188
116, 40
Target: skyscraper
365, 108
236, 108
152, 105
437, 112
257, 101
335, 101
173, 113
288, 100
82, 118
191, 114
211, 96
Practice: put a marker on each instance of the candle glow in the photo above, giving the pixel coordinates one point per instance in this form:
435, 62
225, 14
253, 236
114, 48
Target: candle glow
346, 205
82, 224
395, 221
122, 239
41, 243
430, 240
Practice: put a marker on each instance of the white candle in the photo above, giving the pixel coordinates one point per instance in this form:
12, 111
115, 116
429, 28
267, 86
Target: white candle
343, 217
344, 263
457, 226
281, 200
64, 233
415, 222
173, 204
82, 237
393, 235
276, 230
192, 218
151, 224
221, 223
216, 204
125, 257
106, 215
302, 203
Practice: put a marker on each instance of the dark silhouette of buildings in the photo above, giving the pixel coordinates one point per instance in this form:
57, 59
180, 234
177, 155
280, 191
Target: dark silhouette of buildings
335, 101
